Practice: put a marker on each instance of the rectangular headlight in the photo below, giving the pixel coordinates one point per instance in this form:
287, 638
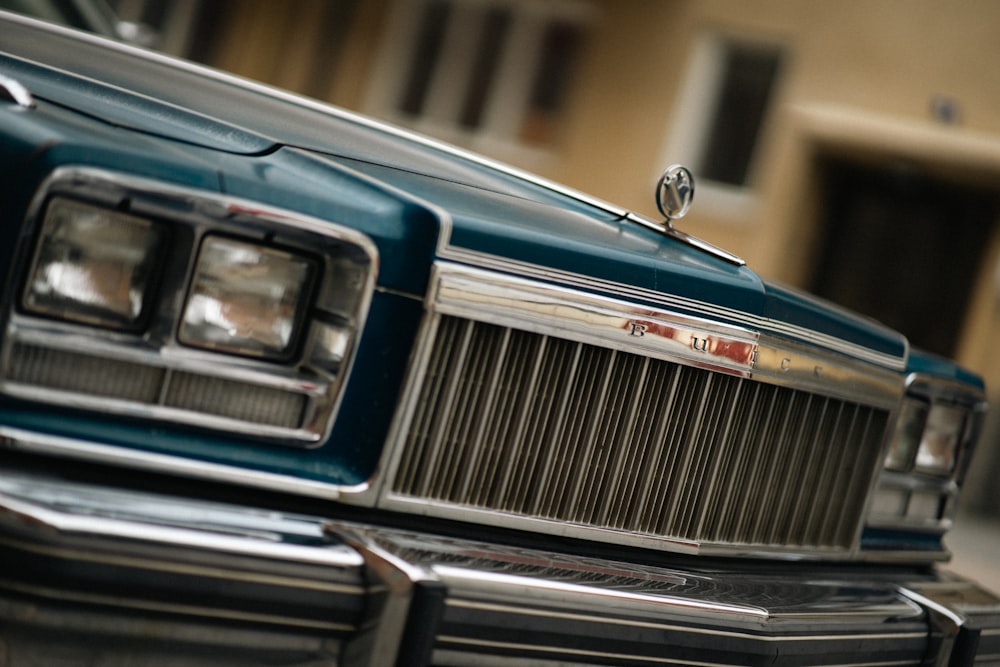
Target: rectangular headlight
93, 266
246, 299
940, 442
906, 438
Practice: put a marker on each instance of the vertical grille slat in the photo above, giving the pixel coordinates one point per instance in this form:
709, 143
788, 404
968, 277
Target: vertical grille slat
583, 477
716, 483
834, 431
558, 450
496, 344
530, 425
797, 447
627, 467
649, 490
874, 429
733, 488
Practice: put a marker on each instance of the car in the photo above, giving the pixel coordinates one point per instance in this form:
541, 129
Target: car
282, 384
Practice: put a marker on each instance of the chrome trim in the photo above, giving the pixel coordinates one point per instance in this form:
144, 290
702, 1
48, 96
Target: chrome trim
18, 439
704, 246
81, 510
792, 363
751, 614
70, 548
457, 658
536, 605
684, 237
959, 613
490, 297
671, 302
537, 590
527, 304
554, 591
381, 642
934, 387
202, 212
42, 632
117, 601
126, 576
945, 625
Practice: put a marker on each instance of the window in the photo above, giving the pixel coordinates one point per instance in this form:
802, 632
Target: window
481, 69
722, 111
747, 79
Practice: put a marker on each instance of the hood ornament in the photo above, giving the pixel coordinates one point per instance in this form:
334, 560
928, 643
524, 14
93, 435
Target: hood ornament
674, 194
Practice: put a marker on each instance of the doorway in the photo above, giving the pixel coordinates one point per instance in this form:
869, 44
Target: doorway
902, 247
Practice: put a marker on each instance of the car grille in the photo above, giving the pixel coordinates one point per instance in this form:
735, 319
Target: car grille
79, 373
530, 425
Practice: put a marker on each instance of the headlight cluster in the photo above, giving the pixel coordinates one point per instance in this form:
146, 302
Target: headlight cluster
186, 307
935, 426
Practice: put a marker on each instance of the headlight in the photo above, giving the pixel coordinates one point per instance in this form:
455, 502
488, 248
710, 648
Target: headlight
245, 299
927, 437
906, 439
93, 266
941, 437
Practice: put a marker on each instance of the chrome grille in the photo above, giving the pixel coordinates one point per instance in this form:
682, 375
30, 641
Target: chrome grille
41, 368
537, 426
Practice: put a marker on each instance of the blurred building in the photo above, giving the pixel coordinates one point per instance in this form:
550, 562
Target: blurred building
849, 148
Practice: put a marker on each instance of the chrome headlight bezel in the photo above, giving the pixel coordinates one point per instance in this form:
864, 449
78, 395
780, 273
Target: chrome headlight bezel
276, 379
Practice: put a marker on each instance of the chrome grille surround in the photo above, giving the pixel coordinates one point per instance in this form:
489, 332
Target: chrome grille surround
540, 409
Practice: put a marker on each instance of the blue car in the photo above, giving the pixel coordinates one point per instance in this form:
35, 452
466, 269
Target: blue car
282, 385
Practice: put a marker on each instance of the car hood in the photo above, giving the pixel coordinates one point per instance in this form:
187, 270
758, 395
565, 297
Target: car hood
488, 214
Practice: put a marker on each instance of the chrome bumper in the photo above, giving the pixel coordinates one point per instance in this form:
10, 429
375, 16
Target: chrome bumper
100, 576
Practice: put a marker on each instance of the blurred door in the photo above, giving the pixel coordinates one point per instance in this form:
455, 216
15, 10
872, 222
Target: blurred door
903, 248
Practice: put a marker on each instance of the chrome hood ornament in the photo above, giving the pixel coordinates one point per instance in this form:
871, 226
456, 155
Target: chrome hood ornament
674, 195
675, 192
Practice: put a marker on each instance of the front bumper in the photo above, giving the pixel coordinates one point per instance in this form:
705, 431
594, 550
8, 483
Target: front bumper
101, 576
